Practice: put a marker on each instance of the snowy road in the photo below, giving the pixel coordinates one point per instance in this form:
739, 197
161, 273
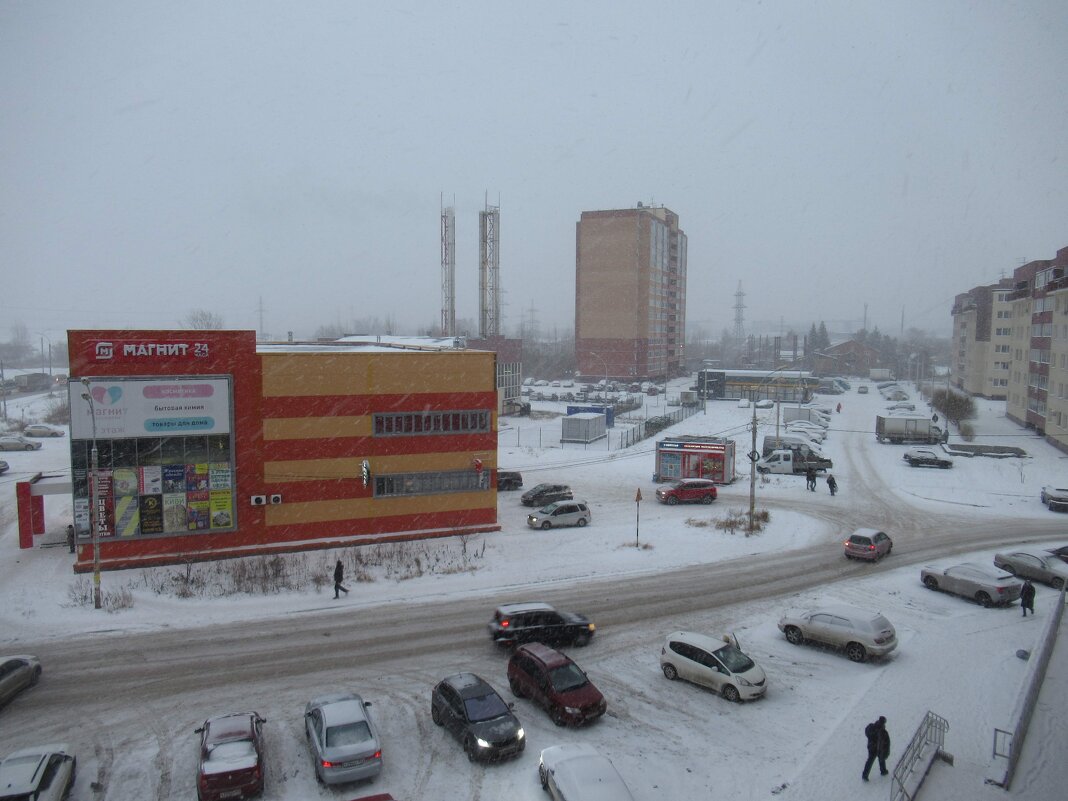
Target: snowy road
128, 700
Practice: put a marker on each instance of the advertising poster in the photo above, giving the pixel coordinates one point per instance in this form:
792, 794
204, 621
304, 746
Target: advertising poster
137, 407
126, 481
174, 480
222, 510
174, 514
196, 478
104, 500
197, 511
151, 509
81, 517
150, 480
127, 515
220, 476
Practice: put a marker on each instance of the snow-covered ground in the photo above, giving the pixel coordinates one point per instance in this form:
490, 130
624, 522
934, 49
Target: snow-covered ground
668, 739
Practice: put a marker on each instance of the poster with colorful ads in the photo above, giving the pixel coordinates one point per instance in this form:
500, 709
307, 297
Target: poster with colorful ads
196, 477
105, 497
127, 515
173, 479
219, 473
174, 518
150, 480
197, 511
151, 508
222, 509
126, 481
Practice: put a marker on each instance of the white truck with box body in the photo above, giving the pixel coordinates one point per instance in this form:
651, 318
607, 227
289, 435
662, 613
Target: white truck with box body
807, 413
908, 429
791, 462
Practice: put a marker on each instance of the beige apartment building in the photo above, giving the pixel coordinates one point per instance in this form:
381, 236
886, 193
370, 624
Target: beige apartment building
630, 294
1038, 380
982, 340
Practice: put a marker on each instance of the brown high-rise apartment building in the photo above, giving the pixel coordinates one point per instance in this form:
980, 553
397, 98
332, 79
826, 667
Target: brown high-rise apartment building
630, 294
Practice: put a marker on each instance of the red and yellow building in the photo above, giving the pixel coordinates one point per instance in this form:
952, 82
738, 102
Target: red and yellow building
210, 445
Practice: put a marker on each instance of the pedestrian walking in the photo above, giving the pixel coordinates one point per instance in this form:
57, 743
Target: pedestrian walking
810, 478
339, 576
832, 485
1027, 597
70, 538
839, 408
878, 746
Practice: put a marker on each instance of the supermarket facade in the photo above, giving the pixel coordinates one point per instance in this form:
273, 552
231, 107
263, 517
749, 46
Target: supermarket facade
211, 445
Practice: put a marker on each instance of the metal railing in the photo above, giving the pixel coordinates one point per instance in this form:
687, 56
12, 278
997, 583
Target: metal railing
930, 734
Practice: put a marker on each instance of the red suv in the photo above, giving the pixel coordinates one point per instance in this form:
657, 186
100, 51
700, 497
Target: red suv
688, 490
553, 681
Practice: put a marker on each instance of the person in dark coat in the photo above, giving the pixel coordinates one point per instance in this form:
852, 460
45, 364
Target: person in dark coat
339, 576
1027, 597
878, 746
810, 478
832, 485
70, 538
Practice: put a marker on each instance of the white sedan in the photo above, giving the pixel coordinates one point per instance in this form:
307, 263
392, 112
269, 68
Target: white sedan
576, 772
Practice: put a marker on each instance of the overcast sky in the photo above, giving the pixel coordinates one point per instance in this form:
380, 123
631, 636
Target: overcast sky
161, 157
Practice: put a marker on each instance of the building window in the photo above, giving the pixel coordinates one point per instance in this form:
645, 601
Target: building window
414, 424
397, 484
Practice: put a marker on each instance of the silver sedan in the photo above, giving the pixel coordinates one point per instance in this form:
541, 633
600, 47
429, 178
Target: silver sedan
1046, 569
986, 585
343, 739
16, 674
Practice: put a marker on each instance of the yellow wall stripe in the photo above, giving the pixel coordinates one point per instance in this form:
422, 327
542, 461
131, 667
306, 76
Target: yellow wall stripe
363, 508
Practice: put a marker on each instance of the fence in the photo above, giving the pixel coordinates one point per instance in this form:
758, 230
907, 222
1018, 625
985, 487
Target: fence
1025, 704
925, 744
627, 433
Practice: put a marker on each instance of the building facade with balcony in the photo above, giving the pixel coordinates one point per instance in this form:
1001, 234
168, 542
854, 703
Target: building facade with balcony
1038, 380
630, 294
982, 340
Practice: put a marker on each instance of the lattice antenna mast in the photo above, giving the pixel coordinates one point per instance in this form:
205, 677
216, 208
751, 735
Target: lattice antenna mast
448, 272
489, 317
739, 315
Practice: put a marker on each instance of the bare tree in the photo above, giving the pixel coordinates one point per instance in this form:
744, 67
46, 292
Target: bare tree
203, 320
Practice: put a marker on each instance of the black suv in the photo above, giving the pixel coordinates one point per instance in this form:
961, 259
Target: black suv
514, 624
472, 711
547, 493
509, 480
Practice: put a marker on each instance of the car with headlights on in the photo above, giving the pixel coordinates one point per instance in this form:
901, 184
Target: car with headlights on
517, 623
1045, 569
554, 682
13, 442
869, 544
344, 743
858, 632
543, 494
43, 430
985, 585
40, 773
927, 457
231, 757
561, 513
716, 664
16, 674
1055, 498
576, 772
472, 712
687, 490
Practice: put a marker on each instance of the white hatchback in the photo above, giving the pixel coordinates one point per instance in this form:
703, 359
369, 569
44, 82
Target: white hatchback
713, 663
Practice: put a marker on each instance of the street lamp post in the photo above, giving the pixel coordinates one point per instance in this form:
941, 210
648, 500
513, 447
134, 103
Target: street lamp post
753, 452
94, 527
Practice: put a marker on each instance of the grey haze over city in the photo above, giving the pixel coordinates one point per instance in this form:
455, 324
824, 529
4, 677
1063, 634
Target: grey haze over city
283, 165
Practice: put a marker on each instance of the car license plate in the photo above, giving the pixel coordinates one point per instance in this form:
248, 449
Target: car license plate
230, 794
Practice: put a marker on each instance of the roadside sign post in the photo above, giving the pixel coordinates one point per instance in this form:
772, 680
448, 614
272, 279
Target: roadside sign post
637, 514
